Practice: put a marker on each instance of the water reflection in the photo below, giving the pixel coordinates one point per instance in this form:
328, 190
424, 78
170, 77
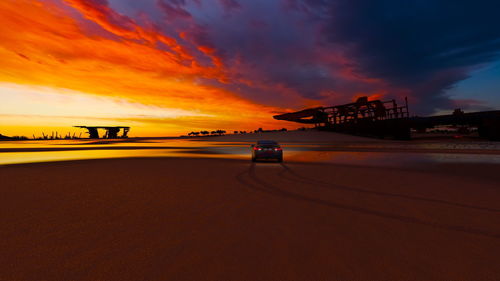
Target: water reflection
356, 153
389, 159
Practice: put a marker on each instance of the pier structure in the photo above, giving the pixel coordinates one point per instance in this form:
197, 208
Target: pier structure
363, 117
388, 119
110, 132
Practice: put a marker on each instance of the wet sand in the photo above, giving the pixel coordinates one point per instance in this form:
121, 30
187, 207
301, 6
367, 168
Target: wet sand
217, 219
299, 146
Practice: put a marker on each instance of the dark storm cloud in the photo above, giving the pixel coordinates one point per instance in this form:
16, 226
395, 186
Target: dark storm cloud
174, 9
288, 52
230, 4
275, 50
423, 46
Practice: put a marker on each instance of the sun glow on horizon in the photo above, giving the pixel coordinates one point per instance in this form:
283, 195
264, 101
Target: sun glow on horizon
27, 110
75, 63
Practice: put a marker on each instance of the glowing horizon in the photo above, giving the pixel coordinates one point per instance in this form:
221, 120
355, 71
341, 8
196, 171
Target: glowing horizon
54, 57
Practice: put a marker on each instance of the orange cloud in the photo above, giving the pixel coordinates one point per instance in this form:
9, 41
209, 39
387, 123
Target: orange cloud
42, 43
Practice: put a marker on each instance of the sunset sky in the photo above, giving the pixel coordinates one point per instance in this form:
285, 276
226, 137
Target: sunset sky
167, 67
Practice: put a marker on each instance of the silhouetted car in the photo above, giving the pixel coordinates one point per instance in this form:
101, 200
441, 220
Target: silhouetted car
267, 149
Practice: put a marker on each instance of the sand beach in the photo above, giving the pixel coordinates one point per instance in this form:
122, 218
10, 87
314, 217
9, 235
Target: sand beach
225, 218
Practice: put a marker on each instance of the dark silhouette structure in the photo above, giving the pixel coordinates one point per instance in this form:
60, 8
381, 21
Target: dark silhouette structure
379, 118
387, 118
110, 132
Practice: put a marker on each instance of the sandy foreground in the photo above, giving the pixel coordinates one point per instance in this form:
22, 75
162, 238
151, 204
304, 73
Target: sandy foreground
217, 219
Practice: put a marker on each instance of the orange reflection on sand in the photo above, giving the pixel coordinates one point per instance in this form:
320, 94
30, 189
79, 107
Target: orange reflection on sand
8, 158
369, 154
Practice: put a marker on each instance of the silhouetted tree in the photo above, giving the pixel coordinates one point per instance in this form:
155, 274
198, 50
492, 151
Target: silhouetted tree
4, 137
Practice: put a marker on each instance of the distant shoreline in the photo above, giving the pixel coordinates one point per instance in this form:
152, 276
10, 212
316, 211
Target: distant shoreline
415, 137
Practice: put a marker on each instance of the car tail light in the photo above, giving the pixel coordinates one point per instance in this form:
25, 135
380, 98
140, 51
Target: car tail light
277, 148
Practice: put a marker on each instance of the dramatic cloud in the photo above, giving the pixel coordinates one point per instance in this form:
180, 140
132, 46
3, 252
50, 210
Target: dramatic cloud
97, 51
230, 5
295, 53
245, 59
417, 48
421, 48
174, 9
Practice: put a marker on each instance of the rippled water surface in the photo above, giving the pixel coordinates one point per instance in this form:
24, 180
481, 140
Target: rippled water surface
389, 153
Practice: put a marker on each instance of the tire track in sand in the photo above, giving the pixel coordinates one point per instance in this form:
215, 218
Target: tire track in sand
249, 179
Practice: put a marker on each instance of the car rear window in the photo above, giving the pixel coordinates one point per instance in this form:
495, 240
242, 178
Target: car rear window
272, 143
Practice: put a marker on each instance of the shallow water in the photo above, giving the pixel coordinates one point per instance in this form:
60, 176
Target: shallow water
356, 153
